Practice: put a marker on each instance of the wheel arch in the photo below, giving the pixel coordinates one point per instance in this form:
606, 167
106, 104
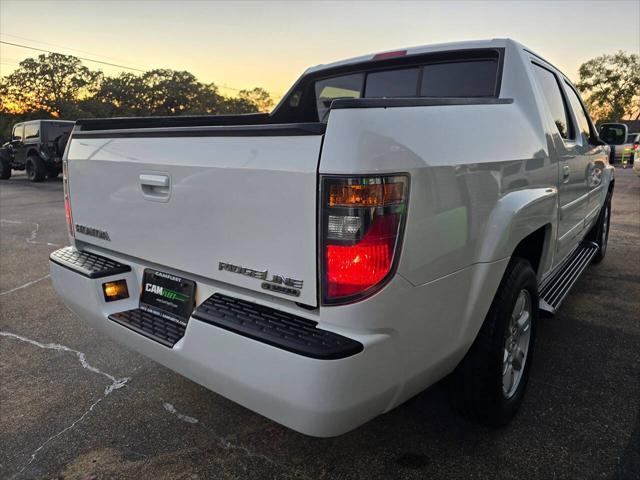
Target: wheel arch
32, 152
523, 222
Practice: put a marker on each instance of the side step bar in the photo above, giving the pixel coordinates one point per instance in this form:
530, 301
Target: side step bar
556, 287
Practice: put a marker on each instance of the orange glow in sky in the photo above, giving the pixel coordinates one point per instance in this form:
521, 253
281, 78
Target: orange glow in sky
267, 44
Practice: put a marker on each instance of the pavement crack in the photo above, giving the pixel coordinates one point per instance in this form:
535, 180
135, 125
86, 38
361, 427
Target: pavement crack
226, 444
185, 418
61, 432
33, 237
116, 383
24, 285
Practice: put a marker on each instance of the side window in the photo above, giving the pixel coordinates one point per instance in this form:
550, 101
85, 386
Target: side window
346, 86
553, 96
17, 132
581, 115
392, 83
31, 130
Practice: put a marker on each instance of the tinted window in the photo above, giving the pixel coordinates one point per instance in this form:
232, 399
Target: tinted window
460, 79
392, 83
577, 108
632, 138
54, 130
31, 130
347, 86
17, 133
551, 89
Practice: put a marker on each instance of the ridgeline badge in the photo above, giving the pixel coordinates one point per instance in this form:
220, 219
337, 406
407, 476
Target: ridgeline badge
275, 283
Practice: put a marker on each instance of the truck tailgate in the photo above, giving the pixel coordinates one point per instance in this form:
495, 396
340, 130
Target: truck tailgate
239, 209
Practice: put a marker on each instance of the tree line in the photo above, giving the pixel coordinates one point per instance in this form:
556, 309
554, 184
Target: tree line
61, 86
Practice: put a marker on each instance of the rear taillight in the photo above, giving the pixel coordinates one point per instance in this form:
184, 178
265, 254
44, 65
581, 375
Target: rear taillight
67, 201
635, 146
362, 224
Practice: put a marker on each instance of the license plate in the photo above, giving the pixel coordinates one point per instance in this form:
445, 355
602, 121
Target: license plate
167, 295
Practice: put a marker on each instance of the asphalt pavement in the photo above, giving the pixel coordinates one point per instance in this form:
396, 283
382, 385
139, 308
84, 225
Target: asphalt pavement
76, 405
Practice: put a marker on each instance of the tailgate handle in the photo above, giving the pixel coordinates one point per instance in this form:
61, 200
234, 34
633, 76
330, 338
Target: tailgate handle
154, 180
155, 187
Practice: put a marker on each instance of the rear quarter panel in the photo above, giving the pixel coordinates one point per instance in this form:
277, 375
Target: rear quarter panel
481, 178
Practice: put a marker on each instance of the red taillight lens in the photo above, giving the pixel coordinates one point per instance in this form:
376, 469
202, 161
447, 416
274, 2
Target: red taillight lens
635, 146
352, 269
363, 219
67, 202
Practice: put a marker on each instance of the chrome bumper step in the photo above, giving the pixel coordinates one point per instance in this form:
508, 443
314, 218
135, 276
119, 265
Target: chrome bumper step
556, 287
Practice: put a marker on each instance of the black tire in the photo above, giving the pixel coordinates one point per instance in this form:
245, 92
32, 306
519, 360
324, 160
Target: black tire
599, 233
476, 386
61, 143
53, 173
36, 169
5, 165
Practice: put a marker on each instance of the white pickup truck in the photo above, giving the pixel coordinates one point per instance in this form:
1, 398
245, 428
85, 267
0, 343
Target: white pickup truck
398, 218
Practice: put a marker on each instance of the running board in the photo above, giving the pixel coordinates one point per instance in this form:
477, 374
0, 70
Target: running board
555, 288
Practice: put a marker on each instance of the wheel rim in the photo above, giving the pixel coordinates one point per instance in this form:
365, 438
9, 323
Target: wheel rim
516, 344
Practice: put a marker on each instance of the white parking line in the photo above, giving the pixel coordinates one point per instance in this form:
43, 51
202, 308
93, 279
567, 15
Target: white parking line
28, 284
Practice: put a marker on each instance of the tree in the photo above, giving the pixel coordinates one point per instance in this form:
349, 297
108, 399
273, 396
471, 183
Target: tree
258, 96
612, 86
56, 85
53, 83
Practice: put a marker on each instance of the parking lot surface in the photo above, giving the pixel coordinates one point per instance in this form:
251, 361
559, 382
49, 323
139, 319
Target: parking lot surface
75, 405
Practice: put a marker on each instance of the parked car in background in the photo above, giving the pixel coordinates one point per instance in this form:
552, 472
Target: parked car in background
324, 263
628, 151
37, 147
636, 165
624, 145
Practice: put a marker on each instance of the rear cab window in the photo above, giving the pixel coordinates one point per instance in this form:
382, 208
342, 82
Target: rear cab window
460, 79
327, 90
478, 75
392, 83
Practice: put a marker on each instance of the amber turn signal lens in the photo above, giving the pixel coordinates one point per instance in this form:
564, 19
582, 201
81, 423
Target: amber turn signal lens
373, 194
115, 290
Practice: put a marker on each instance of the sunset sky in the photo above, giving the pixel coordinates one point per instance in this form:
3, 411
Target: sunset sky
269, 44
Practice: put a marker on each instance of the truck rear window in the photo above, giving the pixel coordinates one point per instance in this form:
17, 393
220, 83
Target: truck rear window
392, 83
465, 78
459, 79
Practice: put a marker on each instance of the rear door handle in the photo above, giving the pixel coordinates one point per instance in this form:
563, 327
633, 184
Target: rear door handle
155, 186
566, 171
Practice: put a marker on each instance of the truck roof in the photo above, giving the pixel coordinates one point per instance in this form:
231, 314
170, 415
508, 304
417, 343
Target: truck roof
438, 47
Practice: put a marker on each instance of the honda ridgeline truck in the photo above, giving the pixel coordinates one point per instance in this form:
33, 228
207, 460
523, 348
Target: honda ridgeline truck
398, 218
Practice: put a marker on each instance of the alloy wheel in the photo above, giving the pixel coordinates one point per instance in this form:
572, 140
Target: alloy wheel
516, 344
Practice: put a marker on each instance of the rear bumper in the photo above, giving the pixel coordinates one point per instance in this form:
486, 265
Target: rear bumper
313, 396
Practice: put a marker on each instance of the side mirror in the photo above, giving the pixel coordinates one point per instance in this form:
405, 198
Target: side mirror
613, 133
